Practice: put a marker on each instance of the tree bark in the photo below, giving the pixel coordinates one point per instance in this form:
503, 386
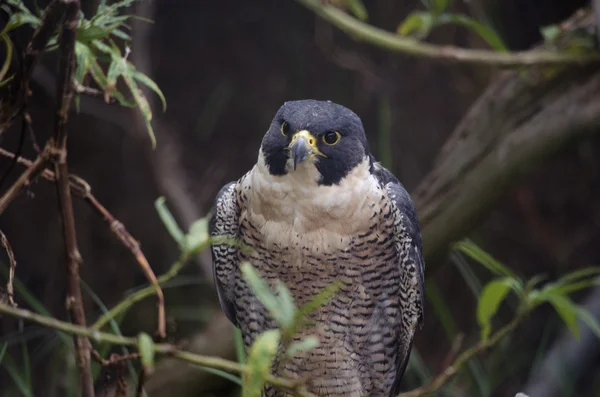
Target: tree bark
522, 119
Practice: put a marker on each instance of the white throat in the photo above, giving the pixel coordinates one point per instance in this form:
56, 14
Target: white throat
295, 202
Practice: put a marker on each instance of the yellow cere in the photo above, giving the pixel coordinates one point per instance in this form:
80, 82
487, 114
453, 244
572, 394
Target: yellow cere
312, 141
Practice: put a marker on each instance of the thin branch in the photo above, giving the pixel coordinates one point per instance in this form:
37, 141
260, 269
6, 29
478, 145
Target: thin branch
141, 294
361, 31
290, 386
13, 266
26, 177
81, 188
59, 143
114, 358
467, 355
119, 230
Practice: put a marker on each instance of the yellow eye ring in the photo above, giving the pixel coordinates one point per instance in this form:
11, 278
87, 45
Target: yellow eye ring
285, 128
331, 137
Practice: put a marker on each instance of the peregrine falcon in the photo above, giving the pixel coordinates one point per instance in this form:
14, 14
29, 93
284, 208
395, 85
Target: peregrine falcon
316, 208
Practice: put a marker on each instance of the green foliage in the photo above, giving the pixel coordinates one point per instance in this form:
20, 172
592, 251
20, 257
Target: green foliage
555, 293
419, 24
492, 296
260, 358
6, 65
96, 50
146, 349
359, 10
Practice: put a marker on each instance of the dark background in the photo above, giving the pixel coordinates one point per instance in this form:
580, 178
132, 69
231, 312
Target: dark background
225, 67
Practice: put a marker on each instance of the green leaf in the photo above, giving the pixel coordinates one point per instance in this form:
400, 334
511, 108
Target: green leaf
485, 32
307, 344
472, 250
567, 311
490, 299
169, 222
439, 6
417, 24
225, 375
357, 8
239, 345
148, 82
3, 351
197, 235
260, 360
589, 320
146, 349
550, 33
303, 313
287, 306
578, 274
262, 292
9, 48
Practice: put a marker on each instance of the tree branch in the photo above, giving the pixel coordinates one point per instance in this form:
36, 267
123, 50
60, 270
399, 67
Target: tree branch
59, 143
81, 188
11, 272
518, 122
290, 386
26, 177
361, 31
467, 355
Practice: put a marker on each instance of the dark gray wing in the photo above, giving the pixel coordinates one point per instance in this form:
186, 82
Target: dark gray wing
410, 252
224, 223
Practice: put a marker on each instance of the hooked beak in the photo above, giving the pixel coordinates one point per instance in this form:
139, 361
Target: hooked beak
302, 146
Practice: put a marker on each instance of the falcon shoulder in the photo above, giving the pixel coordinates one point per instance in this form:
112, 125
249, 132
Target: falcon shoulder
410, 259
224, 223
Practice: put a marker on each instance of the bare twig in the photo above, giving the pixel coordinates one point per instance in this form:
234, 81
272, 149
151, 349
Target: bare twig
119, 230
449, 372
13, 266
59, 143
393, 42
85, 90
114, 358
141, 381
290, 386
26, 177
83, 190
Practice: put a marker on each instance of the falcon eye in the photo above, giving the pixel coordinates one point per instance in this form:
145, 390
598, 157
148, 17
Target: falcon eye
285, 128
331, 137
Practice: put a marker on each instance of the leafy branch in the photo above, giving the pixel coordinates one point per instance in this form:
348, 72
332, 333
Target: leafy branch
101, 51
422, 23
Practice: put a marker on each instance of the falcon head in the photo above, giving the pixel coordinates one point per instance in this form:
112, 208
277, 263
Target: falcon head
320, 134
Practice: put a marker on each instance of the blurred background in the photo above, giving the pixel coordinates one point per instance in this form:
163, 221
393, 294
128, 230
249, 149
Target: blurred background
225, 67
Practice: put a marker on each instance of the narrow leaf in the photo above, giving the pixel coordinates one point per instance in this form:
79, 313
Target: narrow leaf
490, 299
260, 359
169, 221
472, 250
198, 234
417, 24
9, 48
262, 291
287, 305
148, 82
146, 349
3, 351
307, 344
357, 8
485, 32
567, 311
